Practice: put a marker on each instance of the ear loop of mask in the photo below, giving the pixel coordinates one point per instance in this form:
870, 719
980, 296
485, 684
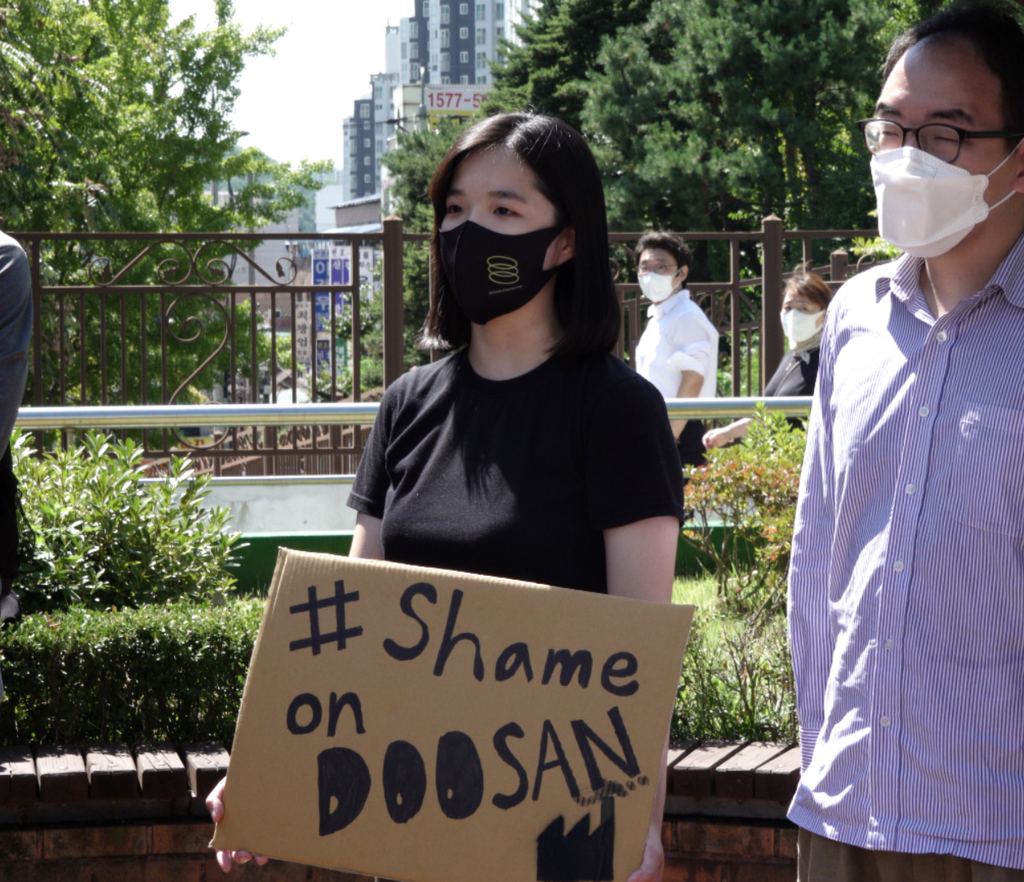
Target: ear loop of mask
1001, 164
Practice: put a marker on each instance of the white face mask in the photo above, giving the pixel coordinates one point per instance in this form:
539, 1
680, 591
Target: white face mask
800, 326
927, 206
657, 287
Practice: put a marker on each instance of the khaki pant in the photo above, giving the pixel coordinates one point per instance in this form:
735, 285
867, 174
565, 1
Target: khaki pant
822, 860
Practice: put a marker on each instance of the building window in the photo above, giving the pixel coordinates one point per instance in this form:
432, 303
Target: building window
366, 160
445, 13
414, 50
446, 40
481, 60
426, 9
463, 58
464, 80
378, 92
414, 72
405, 51
380, 146
445, 81
499, 10
482, 80
366, 125
499, 33
446, 63
463, 9
379, 128
366, 143
481, 36
463, 33
364, 111
481, 12
414, 30
366, 179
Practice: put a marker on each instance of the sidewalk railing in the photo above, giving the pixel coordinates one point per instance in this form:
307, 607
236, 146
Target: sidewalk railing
143, 319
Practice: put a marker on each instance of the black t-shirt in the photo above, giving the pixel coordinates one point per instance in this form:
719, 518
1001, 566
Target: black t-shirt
517, 478
796, 375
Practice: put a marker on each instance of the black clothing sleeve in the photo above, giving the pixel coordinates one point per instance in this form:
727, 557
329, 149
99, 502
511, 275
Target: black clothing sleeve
632, 463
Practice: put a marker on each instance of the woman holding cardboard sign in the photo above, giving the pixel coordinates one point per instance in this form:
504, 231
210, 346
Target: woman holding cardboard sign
531, 453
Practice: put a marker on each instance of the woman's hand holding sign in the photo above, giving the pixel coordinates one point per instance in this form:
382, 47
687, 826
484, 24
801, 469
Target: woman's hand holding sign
215, 806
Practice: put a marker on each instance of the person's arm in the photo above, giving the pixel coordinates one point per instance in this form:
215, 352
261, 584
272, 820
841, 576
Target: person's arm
640, 560
15, 333
725, 435
810, 636
689, 387
366, 538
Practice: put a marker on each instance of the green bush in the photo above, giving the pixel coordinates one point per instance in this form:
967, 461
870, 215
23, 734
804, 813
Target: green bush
173, 672
753, 488
737, 685
105, 539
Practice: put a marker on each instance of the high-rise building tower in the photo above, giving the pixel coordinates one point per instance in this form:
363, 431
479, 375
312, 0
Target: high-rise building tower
443, 41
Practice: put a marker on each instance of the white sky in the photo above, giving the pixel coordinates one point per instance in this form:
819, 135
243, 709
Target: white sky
292, 104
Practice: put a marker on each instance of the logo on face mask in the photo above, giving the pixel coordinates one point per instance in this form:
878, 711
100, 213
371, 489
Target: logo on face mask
502, 270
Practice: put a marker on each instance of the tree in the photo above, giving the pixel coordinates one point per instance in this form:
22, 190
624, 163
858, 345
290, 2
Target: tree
114, 120
712, 115
548, 71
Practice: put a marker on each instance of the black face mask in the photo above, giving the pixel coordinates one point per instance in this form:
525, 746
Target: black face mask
492, 274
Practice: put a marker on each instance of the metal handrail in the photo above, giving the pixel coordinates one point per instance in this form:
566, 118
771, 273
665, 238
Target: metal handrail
363, 413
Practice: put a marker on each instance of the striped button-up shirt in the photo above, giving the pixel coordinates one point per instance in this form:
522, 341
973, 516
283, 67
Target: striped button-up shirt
906, 594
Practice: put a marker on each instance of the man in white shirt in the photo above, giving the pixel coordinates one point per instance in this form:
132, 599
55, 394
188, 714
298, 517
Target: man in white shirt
678, 350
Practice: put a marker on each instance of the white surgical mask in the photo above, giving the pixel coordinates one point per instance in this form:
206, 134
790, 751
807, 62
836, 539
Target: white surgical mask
657, 287
927, 206
800, 326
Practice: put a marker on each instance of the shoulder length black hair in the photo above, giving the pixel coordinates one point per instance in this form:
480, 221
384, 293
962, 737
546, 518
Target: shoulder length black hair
567, 174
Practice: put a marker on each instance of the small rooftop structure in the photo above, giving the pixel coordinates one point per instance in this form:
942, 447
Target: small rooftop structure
357, 215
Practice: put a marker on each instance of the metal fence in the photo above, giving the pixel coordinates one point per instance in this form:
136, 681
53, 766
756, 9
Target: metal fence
136, 319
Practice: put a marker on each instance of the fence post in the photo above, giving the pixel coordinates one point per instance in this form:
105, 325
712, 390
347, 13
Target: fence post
772, 345
394, 311
840, 266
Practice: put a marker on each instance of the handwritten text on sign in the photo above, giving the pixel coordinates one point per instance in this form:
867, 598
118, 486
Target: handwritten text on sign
425, 725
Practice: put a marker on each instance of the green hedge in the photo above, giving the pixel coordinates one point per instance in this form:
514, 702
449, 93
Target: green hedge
173, 672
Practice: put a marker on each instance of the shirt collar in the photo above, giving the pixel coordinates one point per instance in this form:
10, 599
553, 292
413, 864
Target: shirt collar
905, 279
669, 305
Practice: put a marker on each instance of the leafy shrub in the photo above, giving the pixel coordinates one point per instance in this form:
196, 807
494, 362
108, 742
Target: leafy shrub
753, 488
737, 687
106, 539
173, 672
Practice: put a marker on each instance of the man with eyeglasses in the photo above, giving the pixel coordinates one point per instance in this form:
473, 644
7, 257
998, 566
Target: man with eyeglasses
678, 350
906, 593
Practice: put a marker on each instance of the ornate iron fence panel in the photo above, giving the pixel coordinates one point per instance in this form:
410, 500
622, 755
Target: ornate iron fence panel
150, 318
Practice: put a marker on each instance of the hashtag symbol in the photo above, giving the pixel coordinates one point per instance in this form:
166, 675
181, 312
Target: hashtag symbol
313, 607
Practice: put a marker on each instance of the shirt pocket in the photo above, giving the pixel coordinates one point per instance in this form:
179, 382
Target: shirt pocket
988, 480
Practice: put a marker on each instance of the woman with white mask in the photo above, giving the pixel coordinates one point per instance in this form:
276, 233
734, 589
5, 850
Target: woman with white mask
803, 316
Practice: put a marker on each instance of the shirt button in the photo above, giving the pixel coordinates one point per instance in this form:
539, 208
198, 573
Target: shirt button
941, 336
910, 489
884, 721
923, 411
898, 566
889, 643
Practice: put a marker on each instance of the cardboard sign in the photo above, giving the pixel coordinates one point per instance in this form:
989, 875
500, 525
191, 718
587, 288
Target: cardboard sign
434, 726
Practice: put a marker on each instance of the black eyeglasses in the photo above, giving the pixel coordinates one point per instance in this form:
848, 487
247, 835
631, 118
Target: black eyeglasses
941, 140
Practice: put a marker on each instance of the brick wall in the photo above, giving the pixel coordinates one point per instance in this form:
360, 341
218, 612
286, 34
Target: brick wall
724, 850
696, 850
107, 813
